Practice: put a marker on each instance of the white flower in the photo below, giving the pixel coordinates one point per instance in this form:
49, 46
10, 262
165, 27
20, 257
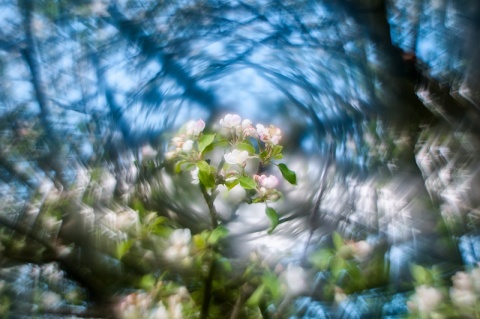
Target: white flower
159, 312
426, 299
269, 135
230, 121
179, 245
462, 281
187, 145
126, 219
236, 157
246, 123
361, 249
51, 299
294, 277
178, 141
340, 295
463, 291
269, 182
99, 8
463, 297
475, 274
170, 155
175, 307
247, 128
148, 151
194, 127
194, 173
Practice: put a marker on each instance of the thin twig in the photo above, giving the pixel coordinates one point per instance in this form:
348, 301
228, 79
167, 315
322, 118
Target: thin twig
208, 290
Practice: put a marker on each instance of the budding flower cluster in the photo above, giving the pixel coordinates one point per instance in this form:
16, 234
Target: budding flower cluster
465, 293
243, 129
183, 143
240, 141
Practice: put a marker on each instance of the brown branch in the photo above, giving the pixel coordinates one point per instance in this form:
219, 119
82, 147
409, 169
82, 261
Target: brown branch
208, 290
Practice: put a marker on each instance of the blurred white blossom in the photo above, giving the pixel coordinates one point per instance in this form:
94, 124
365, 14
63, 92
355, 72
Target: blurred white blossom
463, 293
236, 157
179, 245
425, 300
187, 146
194, 127
295, 279
194, 174
230, 121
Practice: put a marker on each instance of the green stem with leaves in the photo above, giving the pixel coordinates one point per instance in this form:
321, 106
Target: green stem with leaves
211, 207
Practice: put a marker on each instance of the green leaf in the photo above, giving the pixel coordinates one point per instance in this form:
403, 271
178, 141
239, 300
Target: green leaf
206, 178
147, 282
221, 142
273, 216
217, 234
225, 264
289, 175
277, 149
338, 267
138, 206
247, 182
203, 166
205, 141
199, 242
256, 297
337, 240
246, 146
123, 248
271, 282
263, 155
421, 275
231, 184
321, 259
157, 227
178, 166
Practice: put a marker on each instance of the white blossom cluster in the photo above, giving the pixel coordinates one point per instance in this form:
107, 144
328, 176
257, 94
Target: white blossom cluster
465, 292
144, 305
430, 302
239, 135
425, 301
183, 143
179, 245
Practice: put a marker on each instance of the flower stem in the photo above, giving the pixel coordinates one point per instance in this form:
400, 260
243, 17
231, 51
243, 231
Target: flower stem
211, 208
208, 290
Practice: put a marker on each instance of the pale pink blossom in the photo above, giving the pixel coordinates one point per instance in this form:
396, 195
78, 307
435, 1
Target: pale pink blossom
425, 300
269, 182
463, 297
170, 155
461, 280
194, 127
362, 249
187, 146
247, 128
179, 245
236, 157
295, 278
178, 141
194, 174
269, 135
230, 121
